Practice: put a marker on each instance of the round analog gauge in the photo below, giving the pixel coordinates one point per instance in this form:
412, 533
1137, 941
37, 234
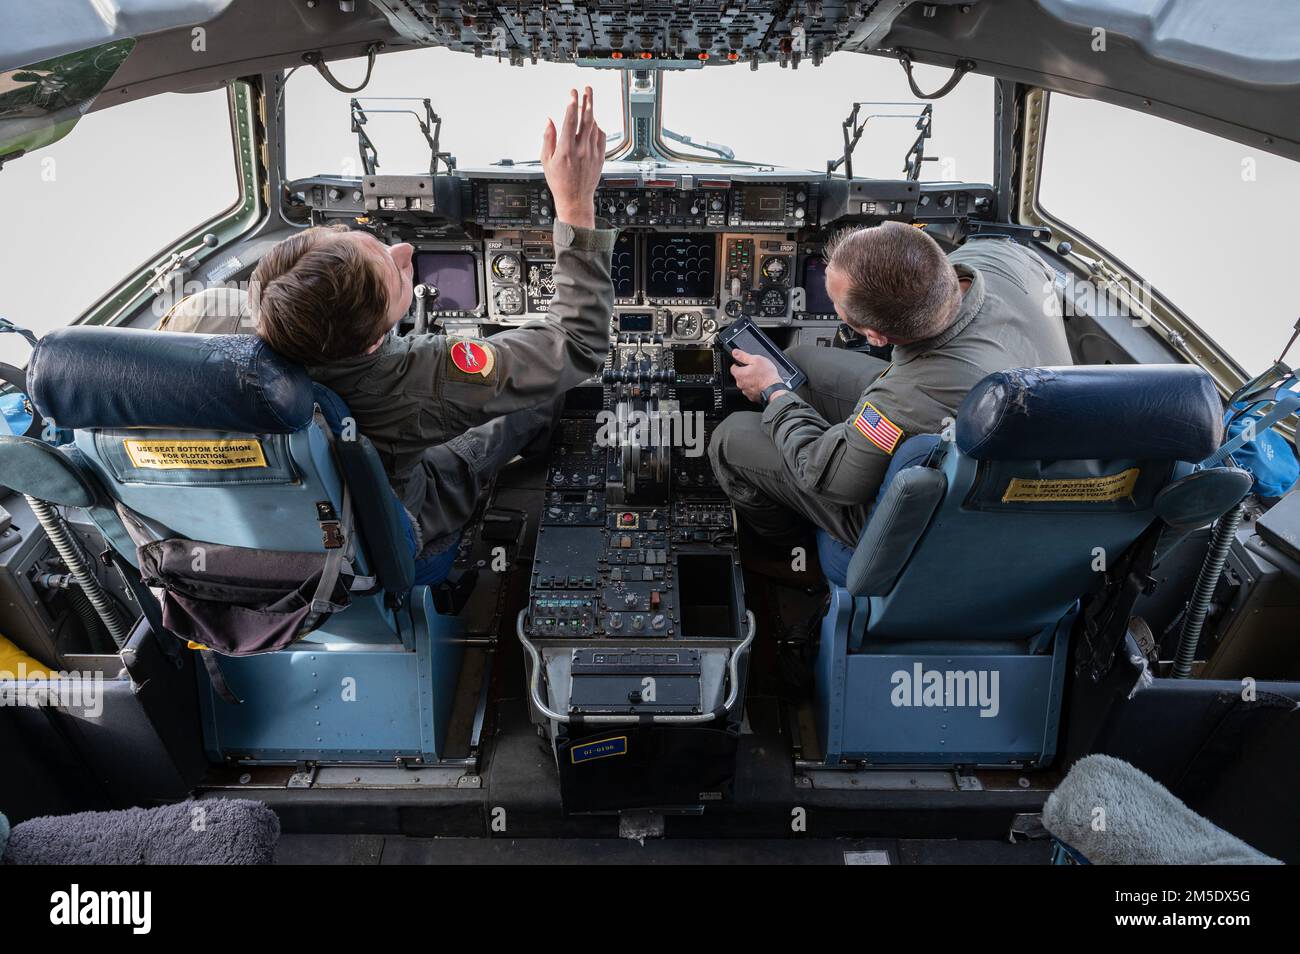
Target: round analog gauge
772, 303
776, 269
510, 300
506, 267
687, 325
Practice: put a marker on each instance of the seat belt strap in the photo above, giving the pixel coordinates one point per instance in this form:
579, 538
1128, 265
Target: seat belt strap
320, 601
167, 641
218, 678
334, 559
1280, 410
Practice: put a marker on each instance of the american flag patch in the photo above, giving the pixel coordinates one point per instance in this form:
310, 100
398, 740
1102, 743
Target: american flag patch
877, 428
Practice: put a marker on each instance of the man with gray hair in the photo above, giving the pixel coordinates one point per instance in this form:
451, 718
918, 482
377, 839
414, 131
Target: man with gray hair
819, 455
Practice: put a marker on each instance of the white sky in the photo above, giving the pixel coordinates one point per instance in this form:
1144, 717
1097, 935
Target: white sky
1171, 202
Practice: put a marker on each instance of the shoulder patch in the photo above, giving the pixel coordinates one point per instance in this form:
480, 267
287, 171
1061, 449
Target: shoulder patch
877, 428
471, 359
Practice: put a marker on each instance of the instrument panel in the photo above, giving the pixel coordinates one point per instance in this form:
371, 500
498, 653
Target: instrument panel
677, 202
694, 252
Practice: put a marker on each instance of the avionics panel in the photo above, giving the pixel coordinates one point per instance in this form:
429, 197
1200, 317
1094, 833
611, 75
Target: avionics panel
756, 279
624, 269
680, 268
782, 206
520, 274
456, 276
513, 204
817, 304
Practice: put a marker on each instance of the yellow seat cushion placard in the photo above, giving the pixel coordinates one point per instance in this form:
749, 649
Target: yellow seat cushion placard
14, 662
210, 454
1072, 489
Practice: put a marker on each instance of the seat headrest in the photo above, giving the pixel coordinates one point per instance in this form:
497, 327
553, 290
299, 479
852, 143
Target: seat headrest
1092, 412
93, 377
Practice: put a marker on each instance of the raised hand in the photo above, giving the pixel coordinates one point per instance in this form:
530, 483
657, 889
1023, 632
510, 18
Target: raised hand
573, 158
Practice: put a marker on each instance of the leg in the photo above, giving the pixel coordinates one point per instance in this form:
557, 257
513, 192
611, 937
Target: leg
753, 473
836, 379
459, 473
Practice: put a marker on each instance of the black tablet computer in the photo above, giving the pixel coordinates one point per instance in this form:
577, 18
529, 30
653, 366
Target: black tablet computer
743, 334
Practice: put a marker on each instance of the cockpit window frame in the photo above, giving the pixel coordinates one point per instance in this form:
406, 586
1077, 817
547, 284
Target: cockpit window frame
1182, 334
120, 304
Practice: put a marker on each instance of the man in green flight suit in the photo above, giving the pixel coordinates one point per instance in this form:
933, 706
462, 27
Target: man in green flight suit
819, 455
445, 413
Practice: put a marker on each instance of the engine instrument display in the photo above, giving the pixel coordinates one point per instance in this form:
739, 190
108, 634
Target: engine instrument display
680, 266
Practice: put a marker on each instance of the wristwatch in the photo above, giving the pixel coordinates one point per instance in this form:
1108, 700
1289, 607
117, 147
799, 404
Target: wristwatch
771, 389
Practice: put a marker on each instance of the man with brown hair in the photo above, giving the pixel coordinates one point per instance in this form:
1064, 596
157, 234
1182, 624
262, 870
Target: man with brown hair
820, 455
445, 413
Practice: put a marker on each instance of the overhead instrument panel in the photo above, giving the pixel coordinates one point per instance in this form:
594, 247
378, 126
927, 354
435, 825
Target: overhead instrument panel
660, 33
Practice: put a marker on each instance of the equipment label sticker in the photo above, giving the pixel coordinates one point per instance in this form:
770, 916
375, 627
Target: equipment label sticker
603, 749
196, 455
1073, 489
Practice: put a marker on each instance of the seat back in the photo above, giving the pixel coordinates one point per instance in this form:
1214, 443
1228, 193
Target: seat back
1051, 477
215, 438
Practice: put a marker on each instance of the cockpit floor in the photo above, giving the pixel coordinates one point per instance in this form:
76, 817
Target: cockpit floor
379, 850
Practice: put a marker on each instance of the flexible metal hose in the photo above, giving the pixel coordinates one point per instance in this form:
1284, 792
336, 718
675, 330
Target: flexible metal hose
89, 620
1206, 582
70, 554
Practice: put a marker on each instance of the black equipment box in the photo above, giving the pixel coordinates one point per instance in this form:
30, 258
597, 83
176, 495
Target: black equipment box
1280, 527
635, 681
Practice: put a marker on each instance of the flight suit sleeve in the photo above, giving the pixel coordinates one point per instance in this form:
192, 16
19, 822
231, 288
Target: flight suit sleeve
843, 462
476, 379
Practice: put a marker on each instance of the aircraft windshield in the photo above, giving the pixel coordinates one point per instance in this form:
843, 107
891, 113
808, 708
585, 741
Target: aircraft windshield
492, 111
489, 111
794, 117
1221, 251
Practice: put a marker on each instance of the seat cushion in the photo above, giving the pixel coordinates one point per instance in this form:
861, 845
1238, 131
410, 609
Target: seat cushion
433, 569
833, 554
834, 557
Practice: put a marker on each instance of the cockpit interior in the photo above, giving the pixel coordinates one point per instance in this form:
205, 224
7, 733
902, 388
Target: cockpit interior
1081, 567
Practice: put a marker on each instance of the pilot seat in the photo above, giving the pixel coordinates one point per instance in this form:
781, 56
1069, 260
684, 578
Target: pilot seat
231, 479
947, 637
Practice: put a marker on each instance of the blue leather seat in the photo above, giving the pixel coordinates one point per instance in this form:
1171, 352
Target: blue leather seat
259, 471
966, 579
428, 570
